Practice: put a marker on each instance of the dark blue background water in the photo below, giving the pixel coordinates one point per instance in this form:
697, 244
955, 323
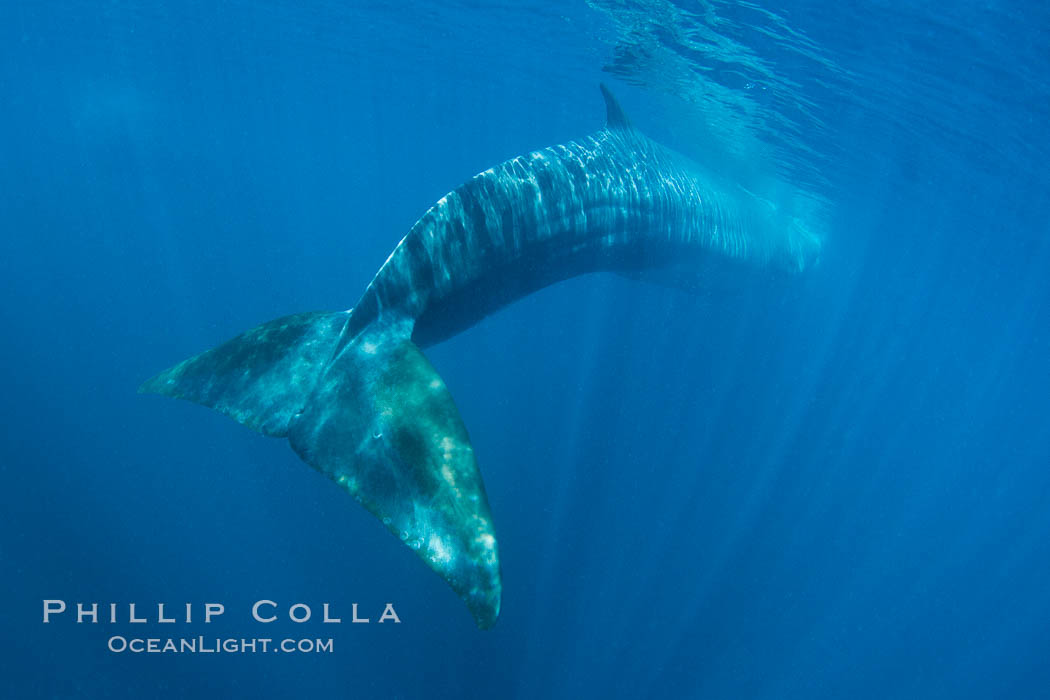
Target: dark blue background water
837, 488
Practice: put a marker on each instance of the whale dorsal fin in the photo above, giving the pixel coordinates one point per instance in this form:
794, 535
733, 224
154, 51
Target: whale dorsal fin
614, 117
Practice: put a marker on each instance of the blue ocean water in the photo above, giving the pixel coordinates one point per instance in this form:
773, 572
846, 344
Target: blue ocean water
836, 487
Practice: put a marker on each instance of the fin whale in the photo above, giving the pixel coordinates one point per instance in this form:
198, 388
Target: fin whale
357, 399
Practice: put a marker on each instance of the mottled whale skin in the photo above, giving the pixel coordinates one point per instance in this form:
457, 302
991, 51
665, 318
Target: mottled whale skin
358, 400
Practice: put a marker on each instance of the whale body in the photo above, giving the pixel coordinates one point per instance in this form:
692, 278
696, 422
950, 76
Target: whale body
358, 400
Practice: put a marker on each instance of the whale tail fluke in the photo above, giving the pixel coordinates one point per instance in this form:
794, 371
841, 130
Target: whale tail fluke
383, 425
260, 378
373, 415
